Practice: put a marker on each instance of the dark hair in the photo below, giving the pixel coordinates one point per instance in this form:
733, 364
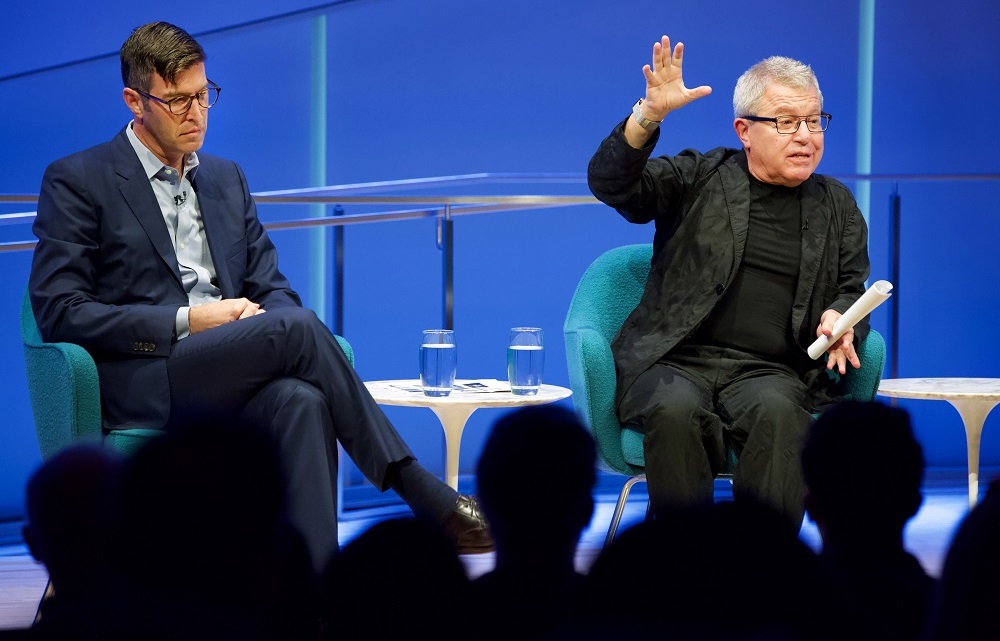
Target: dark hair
157, 47
861, 458
549, 438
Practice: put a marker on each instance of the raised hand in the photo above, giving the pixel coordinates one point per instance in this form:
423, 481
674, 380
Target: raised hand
665, 90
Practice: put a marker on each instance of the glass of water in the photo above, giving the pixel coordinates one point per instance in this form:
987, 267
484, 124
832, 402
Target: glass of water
525, 360
438, 361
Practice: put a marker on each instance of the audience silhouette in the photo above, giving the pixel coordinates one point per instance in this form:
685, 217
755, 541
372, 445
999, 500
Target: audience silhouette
410, 562
722, 571
965, 605
190, 539
534, 584
863, 469
207, 541
71, 521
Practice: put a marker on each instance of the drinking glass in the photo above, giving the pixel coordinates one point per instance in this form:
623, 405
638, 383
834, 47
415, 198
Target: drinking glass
438, 361
525, 360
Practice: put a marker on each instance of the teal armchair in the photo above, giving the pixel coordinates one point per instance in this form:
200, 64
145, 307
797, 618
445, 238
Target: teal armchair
607, 293
65, 394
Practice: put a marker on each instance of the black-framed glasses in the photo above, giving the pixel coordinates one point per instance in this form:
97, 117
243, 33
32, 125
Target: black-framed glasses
815, 123
182, 104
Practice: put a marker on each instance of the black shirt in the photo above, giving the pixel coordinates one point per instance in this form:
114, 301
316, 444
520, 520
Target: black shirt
754, 314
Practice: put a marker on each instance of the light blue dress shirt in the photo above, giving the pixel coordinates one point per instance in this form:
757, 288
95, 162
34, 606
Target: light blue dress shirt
182, 216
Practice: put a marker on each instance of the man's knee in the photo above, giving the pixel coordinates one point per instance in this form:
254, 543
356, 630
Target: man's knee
665, 417
787, 416
296, 318
296, 414
777, 406
281, 391
287, 400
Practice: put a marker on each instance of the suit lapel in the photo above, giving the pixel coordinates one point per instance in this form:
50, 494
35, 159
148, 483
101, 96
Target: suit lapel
135, 189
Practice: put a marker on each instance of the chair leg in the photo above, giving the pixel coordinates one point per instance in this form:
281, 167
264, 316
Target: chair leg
620, 506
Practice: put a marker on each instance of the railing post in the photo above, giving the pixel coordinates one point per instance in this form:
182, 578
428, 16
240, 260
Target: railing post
895, 204
448, 243
338, 274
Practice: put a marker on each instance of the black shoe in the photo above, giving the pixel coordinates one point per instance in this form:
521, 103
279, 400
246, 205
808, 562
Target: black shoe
467, 527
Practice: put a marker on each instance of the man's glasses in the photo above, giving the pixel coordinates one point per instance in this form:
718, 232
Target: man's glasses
815, 123
182, 104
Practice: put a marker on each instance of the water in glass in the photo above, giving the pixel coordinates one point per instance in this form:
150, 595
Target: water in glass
525, 360
438, 364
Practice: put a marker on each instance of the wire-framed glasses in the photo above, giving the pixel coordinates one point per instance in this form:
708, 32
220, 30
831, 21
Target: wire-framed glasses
815, 123
182, 104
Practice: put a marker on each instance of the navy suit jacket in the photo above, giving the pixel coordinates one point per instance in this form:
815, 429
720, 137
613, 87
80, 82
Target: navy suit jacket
104, 273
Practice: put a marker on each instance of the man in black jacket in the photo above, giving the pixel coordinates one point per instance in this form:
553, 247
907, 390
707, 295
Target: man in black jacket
754, 257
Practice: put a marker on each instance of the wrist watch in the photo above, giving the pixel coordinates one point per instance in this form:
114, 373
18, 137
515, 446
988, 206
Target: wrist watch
645, 123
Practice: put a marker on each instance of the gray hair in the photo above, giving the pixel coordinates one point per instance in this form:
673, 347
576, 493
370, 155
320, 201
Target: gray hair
779, 70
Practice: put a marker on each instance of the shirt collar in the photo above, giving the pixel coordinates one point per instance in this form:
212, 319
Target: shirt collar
152, 165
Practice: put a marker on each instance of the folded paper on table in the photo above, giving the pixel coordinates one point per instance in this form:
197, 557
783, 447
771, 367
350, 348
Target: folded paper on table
872, 298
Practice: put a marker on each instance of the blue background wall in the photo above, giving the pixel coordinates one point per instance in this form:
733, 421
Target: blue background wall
445, 87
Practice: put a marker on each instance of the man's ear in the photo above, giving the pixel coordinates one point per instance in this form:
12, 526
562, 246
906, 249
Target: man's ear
742, 129
133, 101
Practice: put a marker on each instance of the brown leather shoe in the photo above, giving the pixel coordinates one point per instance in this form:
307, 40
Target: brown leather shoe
467, 527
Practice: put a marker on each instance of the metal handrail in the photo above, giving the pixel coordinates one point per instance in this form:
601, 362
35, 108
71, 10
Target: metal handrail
445, 208
438, 207
339, 193
441, 208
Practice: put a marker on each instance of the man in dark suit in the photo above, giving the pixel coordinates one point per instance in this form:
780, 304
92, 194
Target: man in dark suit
151, 256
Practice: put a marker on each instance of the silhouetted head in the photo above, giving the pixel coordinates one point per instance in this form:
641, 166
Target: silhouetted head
71, 509
536, 474
672, 565
203, 494
206, 532
399, 578
969, 592
863, 467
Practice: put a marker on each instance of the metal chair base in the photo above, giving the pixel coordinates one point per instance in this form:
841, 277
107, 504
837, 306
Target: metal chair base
620, 506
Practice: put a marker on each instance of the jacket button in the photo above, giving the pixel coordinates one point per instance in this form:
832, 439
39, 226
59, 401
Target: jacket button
719, 289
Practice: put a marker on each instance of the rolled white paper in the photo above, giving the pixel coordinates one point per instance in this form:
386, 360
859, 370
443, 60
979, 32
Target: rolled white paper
872, 298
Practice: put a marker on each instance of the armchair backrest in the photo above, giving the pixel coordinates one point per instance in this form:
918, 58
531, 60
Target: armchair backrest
608, 291
862, 384
62, 386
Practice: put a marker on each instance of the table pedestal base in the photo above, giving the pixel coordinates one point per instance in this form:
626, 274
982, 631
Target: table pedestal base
453, 419
973, 413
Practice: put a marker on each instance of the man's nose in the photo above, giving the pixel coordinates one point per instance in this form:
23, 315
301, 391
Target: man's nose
801, 130
196, 112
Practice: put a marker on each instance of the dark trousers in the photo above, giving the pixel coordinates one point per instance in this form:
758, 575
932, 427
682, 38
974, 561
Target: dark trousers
696, 404
284, 370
